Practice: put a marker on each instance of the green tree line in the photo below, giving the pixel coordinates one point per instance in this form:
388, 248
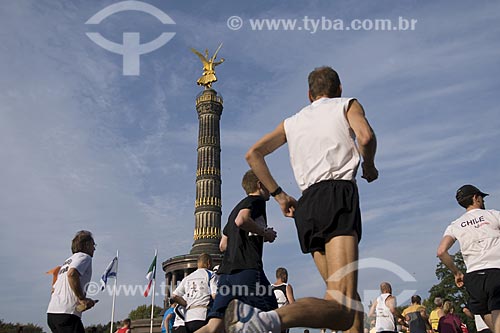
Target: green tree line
19, 328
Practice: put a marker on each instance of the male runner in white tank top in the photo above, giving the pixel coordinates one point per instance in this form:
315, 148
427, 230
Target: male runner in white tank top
327, 140
384, 307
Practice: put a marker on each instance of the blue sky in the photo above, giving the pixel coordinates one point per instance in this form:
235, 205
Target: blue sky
84, 147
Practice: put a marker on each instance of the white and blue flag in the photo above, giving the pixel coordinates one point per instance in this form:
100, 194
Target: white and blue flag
110, 272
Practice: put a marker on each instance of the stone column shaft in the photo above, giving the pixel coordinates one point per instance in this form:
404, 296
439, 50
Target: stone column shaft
207, 230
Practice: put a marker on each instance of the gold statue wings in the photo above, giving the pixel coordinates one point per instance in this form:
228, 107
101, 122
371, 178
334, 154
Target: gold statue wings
208, 76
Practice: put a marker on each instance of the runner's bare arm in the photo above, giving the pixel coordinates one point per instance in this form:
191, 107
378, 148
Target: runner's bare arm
223, 243
179, 300
442, 252
256, 159
289, 294
367, 142
372, 309
390, 301
76, 287
244, 221
74, 283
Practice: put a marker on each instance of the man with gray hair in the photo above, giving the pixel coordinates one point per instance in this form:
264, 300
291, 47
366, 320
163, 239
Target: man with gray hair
384, 309
478, 232
327, 140
68, 299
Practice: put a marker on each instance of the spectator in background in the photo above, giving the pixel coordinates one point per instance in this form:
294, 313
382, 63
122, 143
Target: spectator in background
125, 326
450, 322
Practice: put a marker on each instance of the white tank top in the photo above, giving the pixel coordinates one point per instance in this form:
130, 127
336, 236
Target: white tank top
321, 143
385, 318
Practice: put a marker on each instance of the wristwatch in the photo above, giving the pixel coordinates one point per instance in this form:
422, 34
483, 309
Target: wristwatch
277, 191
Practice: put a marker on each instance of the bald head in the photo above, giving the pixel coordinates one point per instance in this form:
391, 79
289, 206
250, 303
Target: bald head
385, 287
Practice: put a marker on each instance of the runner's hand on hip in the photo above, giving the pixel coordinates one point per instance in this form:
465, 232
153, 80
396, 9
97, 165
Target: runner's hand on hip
287, 204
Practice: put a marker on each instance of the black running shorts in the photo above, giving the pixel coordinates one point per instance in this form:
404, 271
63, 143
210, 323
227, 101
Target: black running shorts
325, 210
484, 290
64, 323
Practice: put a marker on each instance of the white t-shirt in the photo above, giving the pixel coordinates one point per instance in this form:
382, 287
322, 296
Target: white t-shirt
197, 289
321, 143
63, 299
478, 232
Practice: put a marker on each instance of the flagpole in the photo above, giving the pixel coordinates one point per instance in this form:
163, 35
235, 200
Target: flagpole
153, 294
114, 296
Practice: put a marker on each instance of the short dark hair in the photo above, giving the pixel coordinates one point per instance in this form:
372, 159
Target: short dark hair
205, 259
465, 195
81, 241
249, 182
416, 299
282, 274
126, 322
467, 201
324, 81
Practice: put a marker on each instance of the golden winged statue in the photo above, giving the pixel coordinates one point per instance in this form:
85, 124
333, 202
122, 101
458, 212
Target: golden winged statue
209, 64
